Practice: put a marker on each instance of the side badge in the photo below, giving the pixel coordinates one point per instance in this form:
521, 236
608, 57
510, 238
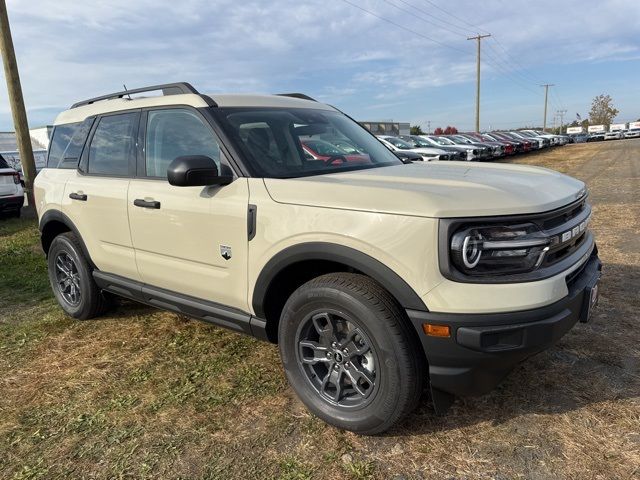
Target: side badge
225, 251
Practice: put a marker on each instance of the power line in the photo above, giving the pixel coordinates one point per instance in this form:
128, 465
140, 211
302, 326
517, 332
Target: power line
475, 27
464, 30
514, 60
508, 69
405, 28
493, 61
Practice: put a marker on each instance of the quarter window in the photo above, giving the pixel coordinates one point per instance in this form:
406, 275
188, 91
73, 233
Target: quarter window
66, 144
113, 144
175, 133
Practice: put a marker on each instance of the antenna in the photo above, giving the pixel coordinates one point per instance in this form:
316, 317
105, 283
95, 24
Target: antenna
125, 89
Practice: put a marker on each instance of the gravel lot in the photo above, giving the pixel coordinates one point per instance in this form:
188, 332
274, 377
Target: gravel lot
145, 394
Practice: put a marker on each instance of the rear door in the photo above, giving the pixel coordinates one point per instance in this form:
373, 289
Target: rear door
189, 240
95, 198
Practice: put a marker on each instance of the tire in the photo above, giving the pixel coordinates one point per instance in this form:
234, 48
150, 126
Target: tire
381, 376
67, 262
16, 213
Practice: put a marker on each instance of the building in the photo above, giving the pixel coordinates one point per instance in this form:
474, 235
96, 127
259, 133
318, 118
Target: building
387, 128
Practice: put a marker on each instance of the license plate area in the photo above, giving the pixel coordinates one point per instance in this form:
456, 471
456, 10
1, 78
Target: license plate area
591, 296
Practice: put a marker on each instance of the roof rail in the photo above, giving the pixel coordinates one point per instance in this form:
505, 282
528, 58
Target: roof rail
167, 89
297, 95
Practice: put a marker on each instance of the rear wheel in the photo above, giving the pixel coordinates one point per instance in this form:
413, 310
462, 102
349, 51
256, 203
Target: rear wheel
349, 353
71, 279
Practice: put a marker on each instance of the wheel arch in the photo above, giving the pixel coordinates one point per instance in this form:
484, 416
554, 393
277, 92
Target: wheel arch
296, 265
52, 224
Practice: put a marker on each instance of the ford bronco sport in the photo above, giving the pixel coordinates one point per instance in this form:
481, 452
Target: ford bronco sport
373, 277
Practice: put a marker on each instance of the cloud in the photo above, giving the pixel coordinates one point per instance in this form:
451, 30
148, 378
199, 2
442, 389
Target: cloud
69, 50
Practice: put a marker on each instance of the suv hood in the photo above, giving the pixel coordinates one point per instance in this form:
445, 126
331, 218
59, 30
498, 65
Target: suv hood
451, 189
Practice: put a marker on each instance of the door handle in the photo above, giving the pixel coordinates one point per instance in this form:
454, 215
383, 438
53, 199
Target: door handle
139, 202
78, 196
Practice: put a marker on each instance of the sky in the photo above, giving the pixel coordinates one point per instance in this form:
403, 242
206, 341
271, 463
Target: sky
401, 60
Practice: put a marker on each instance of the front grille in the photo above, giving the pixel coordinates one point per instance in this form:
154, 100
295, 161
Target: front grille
569, 226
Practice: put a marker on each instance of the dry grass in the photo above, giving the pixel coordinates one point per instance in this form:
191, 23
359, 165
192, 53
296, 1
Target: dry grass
145, 394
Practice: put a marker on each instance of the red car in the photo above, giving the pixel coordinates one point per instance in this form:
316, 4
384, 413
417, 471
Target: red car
323, 150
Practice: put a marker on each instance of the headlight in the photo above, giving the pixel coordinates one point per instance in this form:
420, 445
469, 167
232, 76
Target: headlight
490, 250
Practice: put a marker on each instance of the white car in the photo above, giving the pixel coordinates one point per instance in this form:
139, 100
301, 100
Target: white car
616, 135
11, 193
473, 152
633, 133
397, 144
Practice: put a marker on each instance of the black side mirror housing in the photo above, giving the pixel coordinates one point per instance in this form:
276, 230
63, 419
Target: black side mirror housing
197, 171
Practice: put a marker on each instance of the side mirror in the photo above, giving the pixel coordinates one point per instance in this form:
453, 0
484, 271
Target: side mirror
196, 171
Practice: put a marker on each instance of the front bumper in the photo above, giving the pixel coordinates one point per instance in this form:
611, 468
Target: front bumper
483, 348
11, 203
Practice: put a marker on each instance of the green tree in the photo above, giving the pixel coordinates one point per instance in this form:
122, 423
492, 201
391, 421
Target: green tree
416, 130
602, 110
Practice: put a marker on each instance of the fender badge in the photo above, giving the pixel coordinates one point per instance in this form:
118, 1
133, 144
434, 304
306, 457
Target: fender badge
225, 251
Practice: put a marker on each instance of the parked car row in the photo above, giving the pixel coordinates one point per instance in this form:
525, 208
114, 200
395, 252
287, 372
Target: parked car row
472, 146
622, 134
602, 136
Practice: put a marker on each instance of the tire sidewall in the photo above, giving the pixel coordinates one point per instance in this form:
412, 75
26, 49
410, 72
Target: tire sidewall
63, 244
388, 359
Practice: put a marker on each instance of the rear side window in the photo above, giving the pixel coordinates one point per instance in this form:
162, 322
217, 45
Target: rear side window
175, 133
66, 144
112, 145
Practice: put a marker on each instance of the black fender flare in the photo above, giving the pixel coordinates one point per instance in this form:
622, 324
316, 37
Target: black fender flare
332, 252
54, 215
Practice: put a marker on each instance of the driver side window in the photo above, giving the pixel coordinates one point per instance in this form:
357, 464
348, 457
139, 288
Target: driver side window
175, 133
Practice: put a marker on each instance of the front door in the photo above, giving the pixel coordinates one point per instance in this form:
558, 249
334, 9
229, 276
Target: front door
189, 240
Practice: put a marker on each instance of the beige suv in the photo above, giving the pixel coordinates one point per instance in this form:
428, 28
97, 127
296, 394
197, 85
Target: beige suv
376, 278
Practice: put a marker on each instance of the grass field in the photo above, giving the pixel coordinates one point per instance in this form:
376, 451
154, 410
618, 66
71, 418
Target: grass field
141, 393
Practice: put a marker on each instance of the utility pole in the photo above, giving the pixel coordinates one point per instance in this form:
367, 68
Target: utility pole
478, 38
17, 103
561, 114
428, 126
546, 96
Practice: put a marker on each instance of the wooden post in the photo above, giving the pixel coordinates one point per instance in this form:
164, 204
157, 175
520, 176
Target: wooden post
17, 103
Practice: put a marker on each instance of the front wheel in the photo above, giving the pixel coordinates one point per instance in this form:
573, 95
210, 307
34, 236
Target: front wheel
350, 354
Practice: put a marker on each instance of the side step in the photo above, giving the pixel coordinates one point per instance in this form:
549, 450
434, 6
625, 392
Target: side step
207, 311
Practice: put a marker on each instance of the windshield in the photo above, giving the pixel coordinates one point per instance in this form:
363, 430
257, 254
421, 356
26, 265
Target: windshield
446, 141
421, 142
441, 141
295, 142
398, 143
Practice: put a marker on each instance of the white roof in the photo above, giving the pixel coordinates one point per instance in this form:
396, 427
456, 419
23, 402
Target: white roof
78, 114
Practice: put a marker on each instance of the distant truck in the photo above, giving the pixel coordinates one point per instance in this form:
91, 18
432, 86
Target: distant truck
596, 129
575, 130
617, 127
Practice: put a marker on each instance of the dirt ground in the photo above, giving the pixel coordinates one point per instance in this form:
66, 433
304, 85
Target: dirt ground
145, 394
